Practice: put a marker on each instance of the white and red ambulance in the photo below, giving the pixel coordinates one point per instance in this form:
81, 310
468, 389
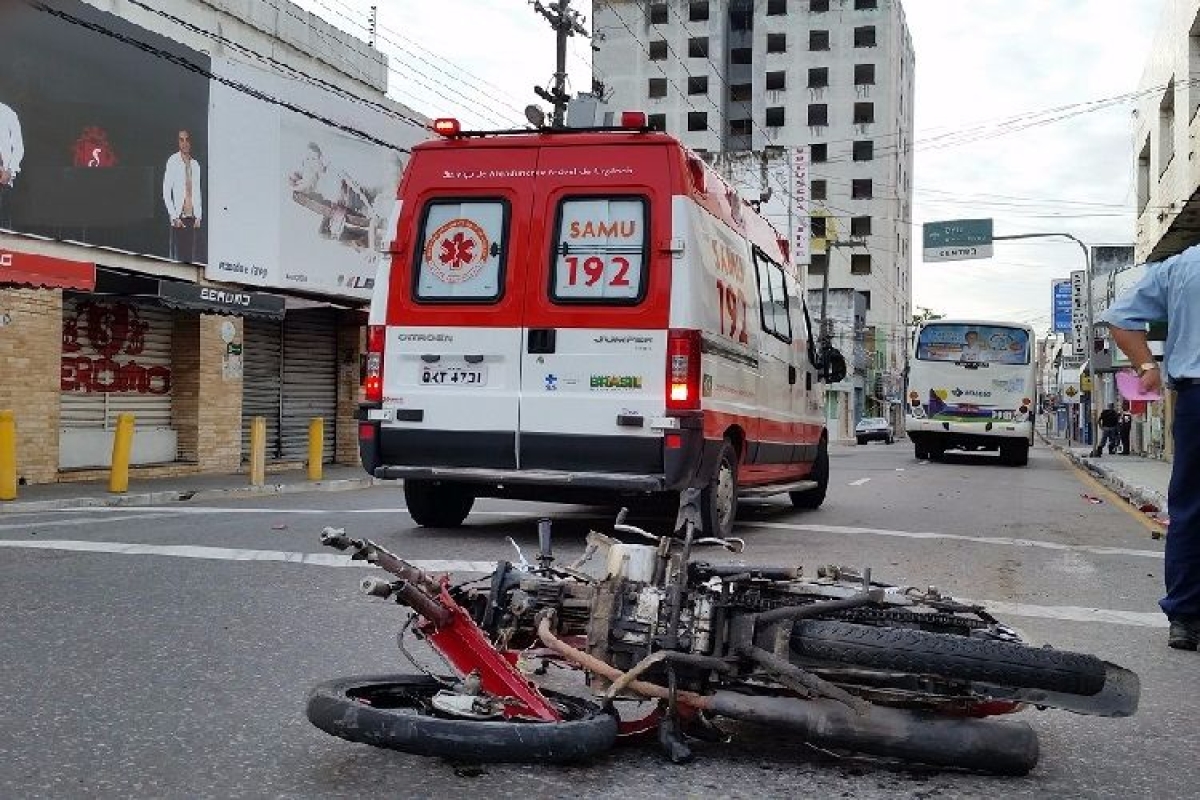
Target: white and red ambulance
587, 316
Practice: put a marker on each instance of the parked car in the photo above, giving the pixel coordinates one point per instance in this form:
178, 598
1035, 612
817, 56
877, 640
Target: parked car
872, 428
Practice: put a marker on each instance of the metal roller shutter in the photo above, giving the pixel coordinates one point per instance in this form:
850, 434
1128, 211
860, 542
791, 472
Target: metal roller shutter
116, 360
262, 370
309, 380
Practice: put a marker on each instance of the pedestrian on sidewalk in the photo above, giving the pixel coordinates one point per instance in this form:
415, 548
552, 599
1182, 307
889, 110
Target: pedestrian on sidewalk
1110, 431
1126, 429
1170, 290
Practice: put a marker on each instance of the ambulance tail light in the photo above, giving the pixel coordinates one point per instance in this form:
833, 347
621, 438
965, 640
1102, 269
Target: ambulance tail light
446, 126
373, 374
683, 370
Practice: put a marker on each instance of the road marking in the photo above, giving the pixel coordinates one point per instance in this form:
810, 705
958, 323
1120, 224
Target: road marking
859, 482
1065, 613
1085, 477
67, 523
1003, 541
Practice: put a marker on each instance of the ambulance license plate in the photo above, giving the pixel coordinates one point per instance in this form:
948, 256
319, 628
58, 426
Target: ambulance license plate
454, 376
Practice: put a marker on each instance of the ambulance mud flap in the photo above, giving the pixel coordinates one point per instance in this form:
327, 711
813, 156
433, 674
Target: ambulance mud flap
368, 439
684, 466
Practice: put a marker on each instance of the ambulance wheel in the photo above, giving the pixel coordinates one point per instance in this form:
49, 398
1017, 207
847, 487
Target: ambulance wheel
811, 499
718, 500
437, 505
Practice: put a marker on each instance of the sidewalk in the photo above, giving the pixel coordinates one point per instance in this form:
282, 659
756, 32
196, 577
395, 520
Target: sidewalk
158, 491
1141, 481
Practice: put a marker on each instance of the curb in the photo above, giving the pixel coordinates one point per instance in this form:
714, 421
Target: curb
1136, 495
185, 495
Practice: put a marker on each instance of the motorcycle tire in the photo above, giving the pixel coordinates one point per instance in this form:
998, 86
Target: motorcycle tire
394, 712
946, 655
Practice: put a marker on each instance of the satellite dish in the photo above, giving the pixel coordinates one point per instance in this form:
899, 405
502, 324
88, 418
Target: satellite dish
535, 115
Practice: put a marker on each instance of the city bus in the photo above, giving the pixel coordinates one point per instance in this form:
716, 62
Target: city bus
971, 386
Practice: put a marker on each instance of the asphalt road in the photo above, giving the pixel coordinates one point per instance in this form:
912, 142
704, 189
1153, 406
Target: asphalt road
166, 652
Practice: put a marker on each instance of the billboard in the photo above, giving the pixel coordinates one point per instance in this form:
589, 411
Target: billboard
801, 246
1061, 305
973, 344
103, 142
298, 204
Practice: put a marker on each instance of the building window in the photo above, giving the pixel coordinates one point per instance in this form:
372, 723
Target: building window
818, 6
818, 77
740, 92
820, 153
862, 189
776, 42
864, 150
1166, 128
698, 85
698, 11
818, 263
864, 113
860, 264
860, 226
697, 121
866, 300
1143, 177
864, 74
818, 114
818, 40
776, 81
658, 88
864, 36
659, 14
817, 227
741, 55
657, 122
698, 47
776, 8
775, 117
740, 127
658, 50
865, 5
819, 189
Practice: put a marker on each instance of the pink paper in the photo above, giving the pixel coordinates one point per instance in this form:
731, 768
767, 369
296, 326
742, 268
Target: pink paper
1130, 387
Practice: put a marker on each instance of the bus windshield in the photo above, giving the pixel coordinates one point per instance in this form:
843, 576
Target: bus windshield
964, 343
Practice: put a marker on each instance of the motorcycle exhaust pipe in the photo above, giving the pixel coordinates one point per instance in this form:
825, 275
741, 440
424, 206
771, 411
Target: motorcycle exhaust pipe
1002, 748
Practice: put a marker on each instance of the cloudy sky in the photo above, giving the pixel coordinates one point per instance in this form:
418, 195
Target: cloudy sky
984, 69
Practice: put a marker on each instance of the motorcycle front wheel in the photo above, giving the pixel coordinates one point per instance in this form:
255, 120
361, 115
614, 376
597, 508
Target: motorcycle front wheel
396, 712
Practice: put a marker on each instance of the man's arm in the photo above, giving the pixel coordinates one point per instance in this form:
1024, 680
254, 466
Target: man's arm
1146, 302
168, 191
1136, 347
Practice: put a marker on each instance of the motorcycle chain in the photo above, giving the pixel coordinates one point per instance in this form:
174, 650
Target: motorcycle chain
758, 602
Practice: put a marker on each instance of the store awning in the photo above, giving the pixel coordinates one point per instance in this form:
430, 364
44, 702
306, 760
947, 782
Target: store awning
191, 296
45, 272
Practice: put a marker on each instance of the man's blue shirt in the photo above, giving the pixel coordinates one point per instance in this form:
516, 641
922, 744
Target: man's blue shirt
1170, 290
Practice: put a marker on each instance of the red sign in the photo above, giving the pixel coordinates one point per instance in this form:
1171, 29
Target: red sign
25, 269
100, 333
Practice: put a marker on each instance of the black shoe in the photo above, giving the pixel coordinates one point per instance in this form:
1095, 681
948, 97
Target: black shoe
1184, 634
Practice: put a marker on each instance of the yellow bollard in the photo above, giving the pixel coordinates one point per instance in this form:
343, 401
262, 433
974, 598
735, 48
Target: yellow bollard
8, 456
316, 447
258, 451
118, 476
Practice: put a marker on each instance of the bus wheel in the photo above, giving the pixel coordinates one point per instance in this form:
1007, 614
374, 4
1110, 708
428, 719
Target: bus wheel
1015, 454
920, 452
718, 500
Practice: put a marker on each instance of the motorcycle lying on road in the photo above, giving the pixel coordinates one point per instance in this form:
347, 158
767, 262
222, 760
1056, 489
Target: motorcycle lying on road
842, 661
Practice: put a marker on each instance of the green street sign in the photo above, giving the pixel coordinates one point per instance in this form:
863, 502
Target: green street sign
957, 240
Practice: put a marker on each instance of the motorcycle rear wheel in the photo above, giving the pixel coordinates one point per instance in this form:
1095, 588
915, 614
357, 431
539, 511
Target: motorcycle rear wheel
394, 712
951, 656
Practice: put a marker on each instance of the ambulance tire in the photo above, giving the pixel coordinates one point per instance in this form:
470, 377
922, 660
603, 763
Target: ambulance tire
811, 499
718, 500
437, 505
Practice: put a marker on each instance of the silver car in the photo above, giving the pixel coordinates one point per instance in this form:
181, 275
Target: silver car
873, 428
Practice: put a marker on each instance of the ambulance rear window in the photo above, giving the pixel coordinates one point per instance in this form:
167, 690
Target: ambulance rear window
600, 251
461, 253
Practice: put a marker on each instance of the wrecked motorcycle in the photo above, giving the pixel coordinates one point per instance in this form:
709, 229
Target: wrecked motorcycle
839, 659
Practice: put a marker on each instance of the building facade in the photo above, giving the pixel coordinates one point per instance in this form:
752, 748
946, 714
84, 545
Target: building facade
194, 197
741, 81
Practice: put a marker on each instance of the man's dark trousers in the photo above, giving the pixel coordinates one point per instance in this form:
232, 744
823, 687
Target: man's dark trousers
1182, 569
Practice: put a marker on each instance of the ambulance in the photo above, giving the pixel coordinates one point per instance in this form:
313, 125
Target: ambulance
587, 316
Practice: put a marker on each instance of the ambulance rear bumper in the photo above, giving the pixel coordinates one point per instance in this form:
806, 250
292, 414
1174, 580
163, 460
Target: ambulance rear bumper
607, 481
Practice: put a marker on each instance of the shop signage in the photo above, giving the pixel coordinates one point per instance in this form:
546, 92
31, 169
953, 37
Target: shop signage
27, 269
221, 301
101, 344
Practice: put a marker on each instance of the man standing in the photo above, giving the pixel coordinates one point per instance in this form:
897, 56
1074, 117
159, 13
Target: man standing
183, 198
1110, 427
12, 150
1170, 290
1126, 429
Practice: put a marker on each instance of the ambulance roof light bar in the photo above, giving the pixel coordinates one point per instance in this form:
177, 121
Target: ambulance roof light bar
634, 119
447, 127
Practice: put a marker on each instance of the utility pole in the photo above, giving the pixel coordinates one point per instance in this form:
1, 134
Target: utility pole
566, 23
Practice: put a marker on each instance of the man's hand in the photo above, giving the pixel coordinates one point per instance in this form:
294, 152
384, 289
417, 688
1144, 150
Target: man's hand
196, 223
5, 176
176, 222
1151, 380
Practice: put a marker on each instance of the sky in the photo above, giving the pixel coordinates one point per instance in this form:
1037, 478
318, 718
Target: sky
979, 63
